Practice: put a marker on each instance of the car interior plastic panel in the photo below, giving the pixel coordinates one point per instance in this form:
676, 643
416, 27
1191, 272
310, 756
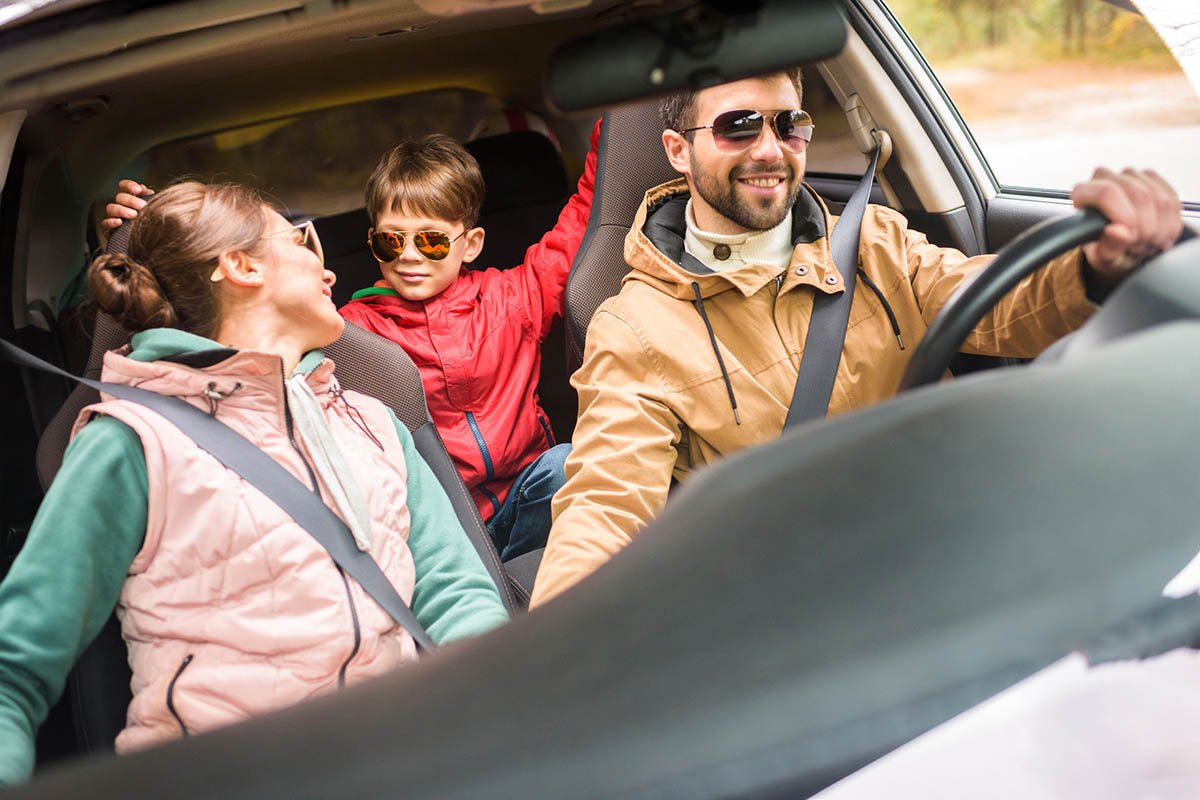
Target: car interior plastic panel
630, 161
796, 611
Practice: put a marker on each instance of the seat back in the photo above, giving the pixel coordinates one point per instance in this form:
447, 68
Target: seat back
99, 684
630, 160
525, 188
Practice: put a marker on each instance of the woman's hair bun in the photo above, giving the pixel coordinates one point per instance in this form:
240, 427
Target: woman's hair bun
128, 291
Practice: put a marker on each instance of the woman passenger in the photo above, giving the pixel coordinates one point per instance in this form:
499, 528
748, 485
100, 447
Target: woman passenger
228, 607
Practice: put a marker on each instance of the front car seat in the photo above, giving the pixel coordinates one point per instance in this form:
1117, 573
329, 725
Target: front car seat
630, 161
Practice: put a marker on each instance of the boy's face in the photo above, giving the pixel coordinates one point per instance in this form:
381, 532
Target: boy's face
414, 275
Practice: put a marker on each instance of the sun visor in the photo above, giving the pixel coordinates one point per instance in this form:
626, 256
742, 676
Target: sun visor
704, 45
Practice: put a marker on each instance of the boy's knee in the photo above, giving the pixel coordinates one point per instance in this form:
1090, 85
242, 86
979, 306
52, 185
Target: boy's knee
557, 458
551, 472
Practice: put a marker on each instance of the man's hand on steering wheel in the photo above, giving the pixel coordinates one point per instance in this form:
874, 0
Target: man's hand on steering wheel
1145, 219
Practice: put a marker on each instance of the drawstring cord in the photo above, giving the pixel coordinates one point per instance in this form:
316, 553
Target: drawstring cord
712, 338
886, 306
355, 415
215, 396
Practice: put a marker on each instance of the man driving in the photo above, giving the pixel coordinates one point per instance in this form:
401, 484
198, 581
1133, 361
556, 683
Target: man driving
697, 356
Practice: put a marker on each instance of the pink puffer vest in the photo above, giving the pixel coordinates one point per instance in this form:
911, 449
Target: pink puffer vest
230, 608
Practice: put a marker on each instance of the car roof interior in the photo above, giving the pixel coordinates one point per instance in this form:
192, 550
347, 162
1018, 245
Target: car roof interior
114, 85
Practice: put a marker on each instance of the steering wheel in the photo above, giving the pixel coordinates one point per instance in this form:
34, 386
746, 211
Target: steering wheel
1020, 257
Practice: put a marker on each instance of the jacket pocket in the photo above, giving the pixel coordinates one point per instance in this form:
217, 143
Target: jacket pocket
171, 695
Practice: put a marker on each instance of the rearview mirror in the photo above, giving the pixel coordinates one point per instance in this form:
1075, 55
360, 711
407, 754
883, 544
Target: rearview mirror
711, 42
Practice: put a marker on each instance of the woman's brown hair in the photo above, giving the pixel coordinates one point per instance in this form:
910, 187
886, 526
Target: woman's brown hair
163, 279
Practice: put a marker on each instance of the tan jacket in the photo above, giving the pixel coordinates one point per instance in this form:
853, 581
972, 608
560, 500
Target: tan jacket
653, 402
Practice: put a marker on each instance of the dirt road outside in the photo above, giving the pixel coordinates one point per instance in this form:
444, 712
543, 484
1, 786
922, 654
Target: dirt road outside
1049, 125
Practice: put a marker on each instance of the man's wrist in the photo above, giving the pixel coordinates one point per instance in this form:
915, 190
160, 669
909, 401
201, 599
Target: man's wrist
1097, 286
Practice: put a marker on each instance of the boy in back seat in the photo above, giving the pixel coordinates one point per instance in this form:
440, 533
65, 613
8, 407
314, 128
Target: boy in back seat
475, 335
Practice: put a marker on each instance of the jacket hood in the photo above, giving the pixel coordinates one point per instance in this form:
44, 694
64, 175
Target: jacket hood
655, 253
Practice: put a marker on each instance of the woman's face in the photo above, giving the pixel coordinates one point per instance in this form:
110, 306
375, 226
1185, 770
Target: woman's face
300, 288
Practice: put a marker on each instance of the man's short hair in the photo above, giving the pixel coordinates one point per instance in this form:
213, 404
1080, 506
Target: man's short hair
433, 175
676, 110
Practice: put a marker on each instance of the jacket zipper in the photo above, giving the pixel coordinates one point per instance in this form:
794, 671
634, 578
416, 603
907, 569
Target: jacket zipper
312, 477
357, 632
546, 430
488, 467
171, 695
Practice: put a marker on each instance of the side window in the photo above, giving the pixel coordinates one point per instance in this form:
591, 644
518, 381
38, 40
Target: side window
317, 163
1050, 89
834, 151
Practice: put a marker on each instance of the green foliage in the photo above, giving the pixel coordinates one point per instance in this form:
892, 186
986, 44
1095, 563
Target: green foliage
995, 32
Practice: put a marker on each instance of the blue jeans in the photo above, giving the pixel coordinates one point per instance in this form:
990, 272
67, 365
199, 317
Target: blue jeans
523, 523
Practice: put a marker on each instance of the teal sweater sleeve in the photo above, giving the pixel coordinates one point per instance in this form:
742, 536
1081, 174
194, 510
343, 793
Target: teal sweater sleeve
454, 595
66, 580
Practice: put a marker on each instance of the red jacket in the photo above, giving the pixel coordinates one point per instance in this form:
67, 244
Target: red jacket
478, 347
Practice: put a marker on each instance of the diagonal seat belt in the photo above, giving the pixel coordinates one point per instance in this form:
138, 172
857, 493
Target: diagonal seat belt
831, 312
265, 474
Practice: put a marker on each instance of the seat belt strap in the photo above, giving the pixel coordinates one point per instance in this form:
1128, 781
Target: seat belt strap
265, 474
831, 312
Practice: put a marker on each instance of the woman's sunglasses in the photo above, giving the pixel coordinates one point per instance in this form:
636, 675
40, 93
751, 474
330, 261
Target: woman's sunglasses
735, 131
388, 245
308, 239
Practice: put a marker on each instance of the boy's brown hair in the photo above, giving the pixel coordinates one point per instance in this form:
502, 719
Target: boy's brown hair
433, 175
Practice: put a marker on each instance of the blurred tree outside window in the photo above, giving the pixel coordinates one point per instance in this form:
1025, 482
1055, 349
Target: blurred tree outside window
1051, 89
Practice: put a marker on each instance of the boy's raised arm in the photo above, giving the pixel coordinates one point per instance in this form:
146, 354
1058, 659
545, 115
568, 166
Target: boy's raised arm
548, 262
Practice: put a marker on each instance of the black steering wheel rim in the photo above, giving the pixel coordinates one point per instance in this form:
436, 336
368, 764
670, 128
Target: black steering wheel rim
1017, 259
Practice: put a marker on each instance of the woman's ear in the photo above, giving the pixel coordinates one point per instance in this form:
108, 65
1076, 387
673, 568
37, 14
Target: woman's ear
474, 244
239, 269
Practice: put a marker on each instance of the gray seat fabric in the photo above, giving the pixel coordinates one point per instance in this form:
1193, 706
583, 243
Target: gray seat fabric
630, 160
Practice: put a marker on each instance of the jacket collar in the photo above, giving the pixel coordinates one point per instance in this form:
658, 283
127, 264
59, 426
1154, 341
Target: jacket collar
654, 249
386, 300
180, 364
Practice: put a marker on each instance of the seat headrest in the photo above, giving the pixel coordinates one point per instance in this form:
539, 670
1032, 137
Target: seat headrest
629, 162
520, 168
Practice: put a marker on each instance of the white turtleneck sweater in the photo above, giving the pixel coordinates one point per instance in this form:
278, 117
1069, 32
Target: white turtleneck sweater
772, 246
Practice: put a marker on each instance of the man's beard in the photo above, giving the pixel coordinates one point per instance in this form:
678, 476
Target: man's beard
754, 215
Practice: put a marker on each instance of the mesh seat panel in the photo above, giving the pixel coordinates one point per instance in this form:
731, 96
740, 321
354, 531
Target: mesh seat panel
373, 365
630, 161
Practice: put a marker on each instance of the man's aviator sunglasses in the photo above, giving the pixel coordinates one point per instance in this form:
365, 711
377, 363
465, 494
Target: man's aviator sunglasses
735, 131
388, 245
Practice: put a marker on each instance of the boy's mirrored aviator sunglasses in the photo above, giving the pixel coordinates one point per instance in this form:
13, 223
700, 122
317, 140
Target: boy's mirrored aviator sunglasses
735, 131
388, 245
308, 239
